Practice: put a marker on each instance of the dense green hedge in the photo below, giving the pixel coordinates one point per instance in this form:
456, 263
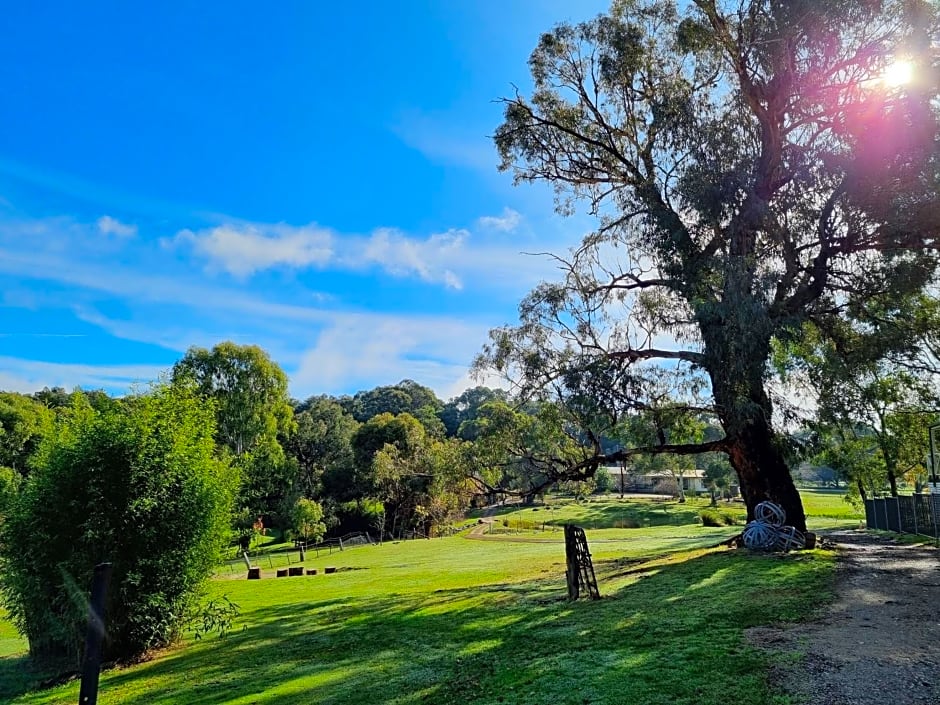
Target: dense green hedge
140, 485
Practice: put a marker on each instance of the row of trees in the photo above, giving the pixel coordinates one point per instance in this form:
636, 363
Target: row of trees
219, 444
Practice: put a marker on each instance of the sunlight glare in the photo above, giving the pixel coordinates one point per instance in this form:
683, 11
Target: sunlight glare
898, 73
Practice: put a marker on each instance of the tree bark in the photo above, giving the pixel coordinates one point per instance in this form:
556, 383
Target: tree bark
763, 472
745, 411
890, 468
861, 488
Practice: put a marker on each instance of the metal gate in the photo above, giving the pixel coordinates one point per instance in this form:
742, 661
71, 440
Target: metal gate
908, 514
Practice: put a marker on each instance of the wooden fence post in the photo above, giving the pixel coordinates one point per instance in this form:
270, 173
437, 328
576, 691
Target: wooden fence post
94, 635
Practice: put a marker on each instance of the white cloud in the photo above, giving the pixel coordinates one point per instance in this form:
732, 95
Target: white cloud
401, 256
507, 222
112, 226
24, 375
245, 249
449, 258
323, 347
371, 349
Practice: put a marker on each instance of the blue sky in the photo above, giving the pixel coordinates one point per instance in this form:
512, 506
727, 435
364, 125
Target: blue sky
311, 179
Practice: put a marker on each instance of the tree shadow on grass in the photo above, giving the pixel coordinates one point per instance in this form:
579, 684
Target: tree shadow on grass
20, 675
672, 637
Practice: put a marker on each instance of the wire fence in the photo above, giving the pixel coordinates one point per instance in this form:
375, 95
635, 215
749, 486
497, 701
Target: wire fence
905, 514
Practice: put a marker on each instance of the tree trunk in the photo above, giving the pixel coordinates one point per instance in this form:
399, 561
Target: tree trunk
737, 349
763, 472
892, 475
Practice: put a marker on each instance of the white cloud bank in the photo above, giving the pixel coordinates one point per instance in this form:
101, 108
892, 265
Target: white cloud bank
449, 258
243, 250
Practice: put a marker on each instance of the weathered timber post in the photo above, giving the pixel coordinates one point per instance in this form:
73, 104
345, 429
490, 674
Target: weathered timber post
94, 635
572, 572
580, 573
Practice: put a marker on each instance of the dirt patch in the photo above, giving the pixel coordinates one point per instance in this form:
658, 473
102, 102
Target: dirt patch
879, 642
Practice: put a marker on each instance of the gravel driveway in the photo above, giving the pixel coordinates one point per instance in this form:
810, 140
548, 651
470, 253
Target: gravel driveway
879, 642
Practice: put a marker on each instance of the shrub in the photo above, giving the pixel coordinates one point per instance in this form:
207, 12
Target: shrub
307, 520
138, 484
710, 517
603, 480
714, 517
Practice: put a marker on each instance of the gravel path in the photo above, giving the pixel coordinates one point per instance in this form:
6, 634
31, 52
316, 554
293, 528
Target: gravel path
879, 643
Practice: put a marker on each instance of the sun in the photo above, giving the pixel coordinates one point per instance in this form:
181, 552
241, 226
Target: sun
898, 73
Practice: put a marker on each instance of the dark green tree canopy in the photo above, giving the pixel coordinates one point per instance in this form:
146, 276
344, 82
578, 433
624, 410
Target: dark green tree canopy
321, 443
465, 408
405, 397
24, 422
751, 171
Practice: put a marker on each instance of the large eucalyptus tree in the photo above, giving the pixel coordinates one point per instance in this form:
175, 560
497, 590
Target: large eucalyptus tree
753, 166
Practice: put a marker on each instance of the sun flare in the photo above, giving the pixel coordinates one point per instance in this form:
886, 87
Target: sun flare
898, 73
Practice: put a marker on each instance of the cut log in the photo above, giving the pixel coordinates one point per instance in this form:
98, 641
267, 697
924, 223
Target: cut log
282, 572
254, 573
329, 569
311, 571
296, 570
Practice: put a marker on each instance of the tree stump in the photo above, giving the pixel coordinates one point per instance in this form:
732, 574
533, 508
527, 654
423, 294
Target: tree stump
254, 573
311, 571
329, 569
282, 572
296, 570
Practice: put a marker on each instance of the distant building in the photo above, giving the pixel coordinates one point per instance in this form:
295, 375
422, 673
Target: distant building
659, 482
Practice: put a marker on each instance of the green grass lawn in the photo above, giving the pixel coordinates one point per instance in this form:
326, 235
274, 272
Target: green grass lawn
457, 620
824, 509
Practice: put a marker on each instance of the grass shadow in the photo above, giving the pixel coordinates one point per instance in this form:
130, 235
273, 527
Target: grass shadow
667, 631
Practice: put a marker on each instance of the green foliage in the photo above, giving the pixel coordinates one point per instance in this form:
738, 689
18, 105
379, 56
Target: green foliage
24, 422
138, 485
9, 487
405, 397
712, 517
459, 415
321, 444
215, 616
249, 392
603, 481
307, 520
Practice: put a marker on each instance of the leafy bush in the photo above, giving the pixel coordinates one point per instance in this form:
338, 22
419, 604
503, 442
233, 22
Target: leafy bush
710, 518
713, 517
603, 480
307, 520
528, 524
140, 485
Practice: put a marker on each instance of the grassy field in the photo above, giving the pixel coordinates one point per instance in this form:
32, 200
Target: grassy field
449, 620
824, 509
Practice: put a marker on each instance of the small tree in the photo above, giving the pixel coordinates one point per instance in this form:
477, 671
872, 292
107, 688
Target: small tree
308, 520
139, 485
603, 481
